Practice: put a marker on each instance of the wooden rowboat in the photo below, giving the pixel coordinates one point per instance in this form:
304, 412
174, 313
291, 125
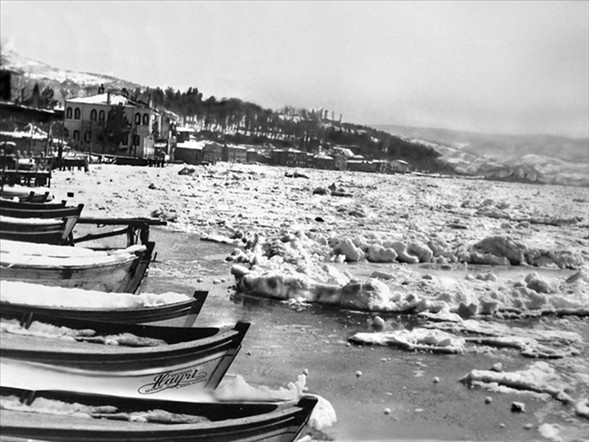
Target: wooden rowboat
25, 193
105, 418
11, 204
21, 299
44, 211
128, 360
49, 226
118, 270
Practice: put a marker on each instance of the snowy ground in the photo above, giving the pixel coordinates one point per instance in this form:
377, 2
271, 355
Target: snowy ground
482, 267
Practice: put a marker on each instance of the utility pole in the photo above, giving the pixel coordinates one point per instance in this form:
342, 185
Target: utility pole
91, 139
49, 138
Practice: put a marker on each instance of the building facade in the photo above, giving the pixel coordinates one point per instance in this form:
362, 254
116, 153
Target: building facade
323, 161
114, 124
234, 154
340, 161
212, 152
400, 166
289, 157
189, 152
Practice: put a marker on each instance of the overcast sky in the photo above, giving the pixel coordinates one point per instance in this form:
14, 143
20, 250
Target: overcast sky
508, 67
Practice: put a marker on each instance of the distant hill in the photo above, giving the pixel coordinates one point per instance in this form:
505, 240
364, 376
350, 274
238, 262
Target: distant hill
506, 147
65, 83
530, 158
233, 120
527, 158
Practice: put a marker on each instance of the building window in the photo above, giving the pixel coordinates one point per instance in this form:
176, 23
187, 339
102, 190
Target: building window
146, 119
101, 115
125, 140
87, 136
68, 113
138, 118
135, 140
77, 113
76, 135
93, 114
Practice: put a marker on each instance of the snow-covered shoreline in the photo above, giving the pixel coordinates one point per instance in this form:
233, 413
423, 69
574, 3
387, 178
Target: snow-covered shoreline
300, 246
287, 235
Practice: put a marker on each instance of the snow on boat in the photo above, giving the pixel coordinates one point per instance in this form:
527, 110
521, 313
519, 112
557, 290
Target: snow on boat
120, 359
38, 210
63, 416
115, 270
169, 309
25, 193
38, 230
47, 225
26, 205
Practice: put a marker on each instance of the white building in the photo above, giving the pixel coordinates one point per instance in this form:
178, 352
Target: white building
85, 121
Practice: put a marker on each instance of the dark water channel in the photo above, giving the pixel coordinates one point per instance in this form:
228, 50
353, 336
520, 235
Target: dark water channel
282, 342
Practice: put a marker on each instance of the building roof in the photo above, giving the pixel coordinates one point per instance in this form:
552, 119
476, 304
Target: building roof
289, 149
115, 99
101, 99
191, 144
344, 151
212, 145
11, 108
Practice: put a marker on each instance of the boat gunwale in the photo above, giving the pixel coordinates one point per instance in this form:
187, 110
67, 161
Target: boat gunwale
85, 266
191, 305
259, 416
24, 213
216, 339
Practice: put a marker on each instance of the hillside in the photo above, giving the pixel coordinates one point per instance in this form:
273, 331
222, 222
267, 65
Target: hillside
233, 120
65, 83
537, 159
499, 146
546, 159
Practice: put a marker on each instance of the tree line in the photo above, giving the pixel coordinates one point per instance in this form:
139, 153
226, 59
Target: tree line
237, 121
233, 120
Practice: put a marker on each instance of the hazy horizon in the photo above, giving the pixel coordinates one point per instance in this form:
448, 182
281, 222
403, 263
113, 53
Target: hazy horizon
485, 67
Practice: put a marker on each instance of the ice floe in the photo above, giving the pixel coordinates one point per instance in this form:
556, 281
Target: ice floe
418, 339
539, 377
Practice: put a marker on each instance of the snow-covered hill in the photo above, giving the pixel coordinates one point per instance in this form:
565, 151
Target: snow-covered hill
37, 71
539, 159
542, 159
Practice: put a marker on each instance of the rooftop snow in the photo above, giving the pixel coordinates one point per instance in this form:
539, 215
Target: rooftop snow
191, 144
102, 99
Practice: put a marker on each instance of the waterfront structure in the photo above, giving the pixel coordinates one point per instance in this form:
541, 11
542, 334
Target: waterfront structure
113, 123
234, 154
289, 157
189, 152
399, 166
212, 152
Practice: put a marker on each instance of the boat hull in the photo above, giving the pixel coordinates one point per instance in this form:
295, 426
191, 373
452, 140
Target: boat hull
269, 422
192, 360
179, 382
10, 204
26, 194
120, 277
179, 314
25, 224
